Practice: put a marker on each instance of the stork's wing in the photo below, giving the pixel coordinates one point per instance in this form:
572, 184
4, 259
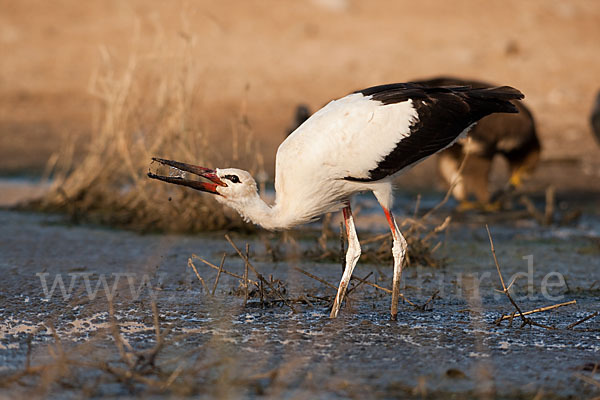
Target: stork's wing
442, 114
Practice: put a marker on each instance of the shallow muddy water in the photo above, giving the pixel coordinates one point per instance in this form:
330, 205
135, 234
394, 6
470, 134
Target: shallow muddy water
448, 348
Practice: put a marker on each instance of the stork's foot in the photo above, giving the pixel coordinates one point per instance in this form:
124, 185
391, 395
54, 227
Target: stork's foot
492, 207
339, 298
466, 205
399, 249
516, 180
352, 256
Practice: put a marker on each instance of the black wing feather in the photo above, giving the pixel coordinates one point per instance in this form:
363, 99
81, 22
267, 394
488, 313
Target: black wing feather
443, 113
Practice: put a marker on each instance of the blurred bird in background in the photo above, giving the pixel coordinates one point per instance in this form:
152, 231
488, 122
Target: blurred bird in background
595, 118
512, 136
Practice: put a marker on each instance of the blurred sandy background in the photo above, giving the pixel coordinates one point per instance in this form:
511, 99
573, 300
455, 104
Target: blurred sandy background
262, 58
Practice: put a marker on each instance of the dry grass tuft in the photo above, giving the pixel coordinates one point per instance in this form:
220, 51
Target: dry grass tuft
148, 108
421, 233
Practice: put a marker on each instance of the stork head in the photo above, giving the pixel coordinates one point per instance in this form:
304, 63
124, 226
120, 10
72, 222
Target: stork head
232, 187
240, 187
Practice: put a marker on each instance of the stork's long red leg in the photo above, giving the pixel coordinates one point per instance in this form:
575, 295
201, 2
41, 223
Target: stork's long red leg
352, 256
398, 251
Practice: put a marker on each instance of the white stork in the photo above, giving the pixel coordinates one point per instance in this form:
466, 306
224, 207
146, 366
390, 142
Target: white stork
355, 144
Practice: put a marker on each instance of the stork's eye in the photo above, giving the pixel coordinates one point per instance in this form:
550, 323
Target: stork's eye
232, 178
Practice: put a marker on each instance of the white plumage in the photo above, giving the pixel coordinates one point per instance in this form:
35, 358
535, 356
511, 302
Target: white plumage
313, 161
354, 144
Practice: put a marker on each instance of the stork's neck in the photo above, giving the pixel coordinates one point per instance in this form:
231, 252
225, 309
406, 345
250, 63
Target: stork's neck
254, 209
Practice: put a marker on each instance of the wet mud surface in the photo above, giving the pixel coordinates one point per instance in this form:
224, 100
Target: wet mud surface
446, 346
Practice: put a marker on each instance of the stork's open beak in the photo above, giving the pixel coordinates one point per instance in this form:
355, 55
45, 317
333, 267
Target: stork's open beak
200, 171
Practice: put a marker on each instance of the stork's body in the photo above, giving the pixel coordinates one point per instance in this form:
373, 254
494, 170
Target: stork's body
318, 166
354, 144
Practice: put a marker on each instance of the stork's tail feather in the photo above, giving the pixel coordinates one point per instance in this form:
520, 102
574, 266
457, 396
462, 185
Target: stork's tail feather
500, 92
495, 99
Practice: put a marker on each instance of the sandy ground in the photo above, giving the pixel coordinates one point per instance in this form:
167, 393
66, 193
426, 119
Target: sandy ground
263, 58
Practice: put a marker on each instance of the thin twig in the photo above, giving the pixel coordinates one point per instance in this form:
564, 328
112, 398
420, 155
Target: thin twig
116, 334
360, 282
441, 227
587, 379
417, 204
155, 319
433, 296
219, 274
525, 320
213, 266
192, 266
574, 324
174, 375
386, 290
323, 281
375, 238
259, 275
537, 310
261, 290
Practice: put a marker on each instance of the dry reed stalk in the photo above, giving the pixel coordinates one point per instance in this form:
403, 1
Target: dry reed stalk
504, 289
537, 310
193, 267
323, 281
219, 273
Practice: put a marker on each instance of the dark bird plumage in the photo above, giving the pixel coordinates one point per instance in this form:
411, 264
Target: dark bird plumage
455, 109
512, 136
595, 117
301, 114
